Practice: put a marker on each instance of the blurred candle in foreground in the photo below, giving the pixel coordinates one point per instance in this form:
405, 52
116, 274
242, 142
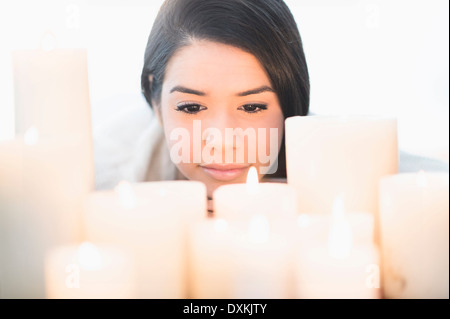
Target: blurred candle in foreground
242, 201
414, 215
330, 156
42, 189
51, 90
89, 271
261, 266
260, 218
333, 262
210, 260
151, 221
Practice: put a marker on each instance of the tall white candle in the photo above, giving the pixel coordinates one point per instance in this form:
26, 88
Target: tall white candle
330, 156
51, 91
89, 271
42, 188
335, 256
150, 220
414, 215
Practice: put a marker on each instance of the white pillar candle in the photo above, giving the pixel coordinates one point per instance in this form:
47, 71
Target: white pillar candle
335, 256
51, 94
210, 260
261, 260
414, 215
240, 259
51, 91
261, 217
242, 201
89, 271
150, 220
329, 156
42, 188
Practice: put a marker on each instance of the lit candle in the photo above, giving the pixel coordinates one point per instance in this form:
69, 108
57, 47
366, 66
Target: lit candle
261, 266
42, 187
151, 220
328, 156
414, 216
242, 201
260, 217
89, 271
335, 259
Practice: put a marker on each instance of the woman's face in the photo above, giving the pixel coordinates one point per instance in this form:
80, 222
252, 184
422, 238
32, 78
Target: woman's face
220, 114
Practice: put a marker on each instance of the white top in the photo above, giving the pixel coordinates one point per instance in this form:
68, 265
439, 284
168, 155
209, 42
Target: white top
129, 144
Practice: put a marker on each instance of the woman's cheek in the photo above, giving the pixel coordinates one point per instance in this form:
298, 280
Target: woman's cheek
179, 141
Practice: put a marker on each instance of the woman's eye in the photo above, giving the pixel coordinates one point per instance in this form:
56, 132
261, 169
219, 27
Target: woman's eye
253, 108
190, 108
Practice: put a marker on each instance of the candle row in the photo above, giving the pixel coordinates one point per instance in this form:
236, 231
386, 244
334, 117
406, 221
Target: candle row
258, 254
177, 252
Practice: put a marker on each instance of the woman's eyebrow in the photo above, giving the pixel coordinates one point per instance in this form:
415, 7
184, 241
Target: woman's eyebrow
258, 90
183, 89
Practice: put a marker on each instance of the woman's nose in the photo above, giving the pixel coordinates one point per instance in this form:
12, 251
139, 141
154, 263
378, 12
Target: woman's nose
221, 135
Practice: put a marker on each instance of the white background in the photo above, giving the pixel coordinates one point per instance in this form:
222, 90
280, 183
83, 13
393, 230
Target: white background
364, 57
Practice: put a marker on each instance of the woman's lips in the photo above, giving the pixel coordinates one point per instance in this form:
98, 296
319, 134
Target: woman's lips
224, 172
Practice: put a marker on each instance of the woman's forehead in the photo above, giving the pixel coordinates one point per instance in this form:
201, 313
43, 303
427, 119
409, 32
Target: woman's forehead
205, 65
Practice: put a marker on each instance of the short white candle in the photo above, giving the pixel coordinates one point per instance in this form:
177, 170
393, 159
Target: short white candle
335, 257
329, 156
151, 220
261, 260
414, 215
89, 271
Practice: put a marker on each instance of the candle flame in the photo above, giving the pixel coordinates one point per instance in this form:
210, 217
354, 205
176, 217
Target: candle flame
31, 136
252, 181
89, 257
340, 238
127, 197
421, 179
259, 229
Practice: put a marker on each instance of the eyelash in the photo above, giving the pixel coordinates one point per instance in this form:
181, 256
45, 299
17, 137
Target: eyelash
184, 108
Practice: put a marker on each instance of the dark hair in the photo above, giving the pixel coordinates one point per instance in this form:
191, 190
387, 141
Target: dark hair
264, 28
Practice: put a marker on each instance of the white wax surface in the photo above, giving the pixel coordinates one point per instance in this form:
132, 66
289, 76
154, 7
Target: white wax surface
68, 278
274, 200
51, 91
42, 188
210, 261
154, 230
414, 215
320, 275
